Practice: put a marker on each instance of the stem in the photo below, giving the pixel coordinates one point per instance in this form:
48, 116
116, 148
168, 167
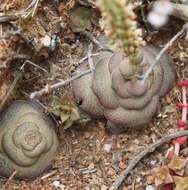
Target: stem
120, 179
47, 89
157, 59
184, 109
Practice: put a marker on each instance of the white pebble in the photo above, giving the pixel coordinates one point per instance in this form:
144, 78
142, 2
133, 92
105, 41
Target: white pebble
150, 187
138, 180
107, 147
153, 162
62, 187
46, 41
136, 141
56, 183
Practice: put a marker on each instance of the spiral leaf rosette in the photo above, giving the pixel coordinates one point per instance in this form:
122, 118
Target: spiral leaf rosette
109, 93
28, 140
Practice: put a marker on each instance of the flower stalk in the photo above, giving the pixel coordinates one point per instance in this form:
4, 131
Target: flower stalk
120, 27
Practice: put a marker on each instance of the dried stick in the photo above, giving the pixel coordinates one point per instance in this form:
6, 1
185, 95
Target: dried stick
13, 33
184, 100
90, 60
62, 83
172, 40
86, 58
92, 39
11, 88
10, 178
118, 182
48, 88
8, 18
20, 56
35, 65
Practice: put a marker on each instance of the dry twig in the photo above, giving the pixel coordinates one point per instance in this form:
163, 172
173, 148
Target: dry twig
7, 18
90, 60
118, 182
18, 76
163, 50
12, 33
11, 88
10, 178
62, 83
93, 39
48, 88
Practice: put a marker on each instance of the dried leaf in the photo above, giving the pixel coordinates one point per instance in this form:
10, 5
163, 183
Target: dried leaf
66, 110
64, 117
162, 176
181, 183
68, 124
177, 164
75, 116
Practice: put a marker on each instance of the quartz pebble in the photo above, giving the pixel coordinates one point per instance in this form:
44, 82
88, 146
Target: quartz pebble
107, 148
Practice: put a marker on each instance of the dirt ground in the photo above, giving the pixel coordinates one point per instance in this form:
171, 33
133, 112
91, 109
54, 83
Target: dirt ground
89, 158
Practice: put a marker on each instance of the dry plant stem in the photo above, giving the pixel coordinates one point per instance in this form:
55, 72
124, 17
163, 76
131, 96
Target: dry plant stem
14, 56
184, 110
30, 10
10, 89
35, 65
13, 33
47, 89
10, 178
118, 182
90, 60
48, 175
86, 57
35, 7
8, 18
92, 39
172, 40
18, 77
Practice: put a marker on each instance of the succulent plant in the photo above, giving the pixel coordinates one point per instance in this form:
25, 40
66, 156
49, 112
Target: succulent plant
110, 92
28, 140
113, 90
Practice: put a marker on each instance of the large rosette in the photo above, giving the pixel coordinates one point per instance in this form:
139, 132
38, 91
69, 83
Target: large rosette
28, 140
108, 92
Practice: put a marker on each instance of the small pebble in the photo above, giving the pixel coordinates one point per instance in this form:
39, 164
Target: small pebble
138, 180
136, 141
150, 179
107, 148
46, 41
150, 187
56, 183
103, 187
62, 187
153, 162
